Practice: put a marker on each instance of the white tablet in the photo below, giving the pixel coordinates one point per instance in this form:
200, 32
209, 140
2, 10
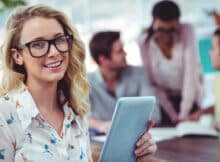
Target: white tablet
129, 123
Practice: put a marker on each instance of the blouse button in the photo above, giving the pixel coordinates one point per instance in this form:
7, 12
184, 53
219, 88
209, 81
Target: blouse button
70, 146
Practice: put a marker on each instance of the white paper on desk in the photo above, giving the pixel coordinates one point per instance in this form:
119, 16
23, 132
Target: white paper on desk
195, 128
161, 134
99, 138
203, 127
158, 134
200, 128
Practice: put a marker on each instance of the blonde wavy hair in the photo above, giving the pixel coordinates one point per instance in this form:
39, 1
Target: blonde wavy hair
74, 84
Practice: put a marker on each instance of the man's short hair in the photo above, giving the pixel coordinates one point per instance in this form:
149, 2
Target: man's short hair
101, 44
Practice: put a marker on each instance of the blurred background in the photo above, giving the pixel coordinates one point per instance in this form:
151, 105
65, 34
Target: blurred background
130, 17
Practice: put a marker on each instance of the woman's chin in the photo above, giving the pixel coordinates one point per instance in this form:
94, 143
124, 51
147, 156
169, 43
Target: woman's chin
54, 78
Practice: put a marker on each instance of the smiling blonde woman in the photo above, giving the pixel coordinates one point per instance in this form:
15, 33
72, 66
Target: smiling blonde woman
43, 91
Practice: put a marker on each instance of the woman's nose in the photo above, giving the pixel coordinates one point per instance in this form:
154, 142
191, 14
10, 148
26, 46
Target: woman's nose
53, 51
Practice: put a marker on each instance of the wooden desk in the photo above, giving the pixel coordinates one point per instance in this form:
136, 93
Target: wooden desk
96, 149
190, 149
186, 149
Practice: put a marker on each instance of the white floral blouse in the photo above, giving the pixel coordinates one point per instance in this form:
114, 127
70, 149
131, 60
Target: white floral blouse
26, 137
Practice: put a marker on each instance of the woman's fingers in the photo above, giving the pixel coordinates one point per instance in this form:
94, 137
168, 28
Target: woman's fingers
146, 135
148, 147
150, 124
151, 149
143, 139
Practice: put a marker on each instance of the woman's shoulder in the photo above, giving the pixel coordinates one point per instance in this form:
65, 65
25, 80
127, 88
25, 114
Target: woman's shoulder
7, 106
8, 113
143, 36
186, 29
83, 121
186, 26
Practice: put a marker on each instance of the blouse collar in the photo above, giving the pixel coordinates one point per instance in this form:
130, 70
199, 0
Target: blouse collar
27, 108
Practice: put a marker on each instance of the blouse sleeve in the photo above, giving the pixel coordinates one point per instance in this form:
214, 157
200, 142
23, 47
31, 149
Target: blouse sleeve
7, 140
192, 75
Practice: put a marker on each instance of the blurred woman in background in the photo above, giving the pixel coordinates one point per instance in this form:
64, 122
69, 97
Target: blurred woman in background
169, 53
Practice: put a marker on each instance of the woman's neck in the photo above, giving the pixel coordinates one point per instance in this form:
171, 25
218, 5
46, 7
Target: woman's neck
166, 49
44, 95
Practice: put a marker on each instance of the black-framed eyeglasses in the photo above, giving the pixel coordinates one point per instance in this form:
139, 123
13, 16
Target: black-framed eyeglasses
40, 48
170, 31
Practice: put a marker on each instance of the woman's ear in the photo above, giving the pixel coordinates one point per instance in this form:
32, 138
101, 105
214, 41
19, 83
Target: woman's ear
17, 56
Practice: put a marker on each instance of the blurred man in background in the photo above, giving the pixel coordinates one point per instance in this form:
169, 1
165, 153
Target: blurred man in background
114, 78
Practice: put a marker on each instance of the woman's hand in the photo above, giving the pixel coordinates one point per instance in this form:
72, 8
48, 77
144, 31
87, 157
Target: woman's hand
195, 116
217, 126
146, 145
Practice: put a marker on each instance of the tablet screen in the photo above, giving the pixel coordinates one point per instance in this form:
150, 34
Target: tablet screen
129, 123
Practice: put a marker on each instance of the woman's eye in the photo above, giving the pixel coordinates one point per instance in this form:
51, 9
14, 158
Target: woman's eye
38, 44
61, 40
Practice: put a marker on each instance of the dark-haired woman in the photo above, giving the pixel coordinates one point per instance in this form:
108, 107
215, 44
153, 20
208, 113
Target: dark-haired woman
169, 54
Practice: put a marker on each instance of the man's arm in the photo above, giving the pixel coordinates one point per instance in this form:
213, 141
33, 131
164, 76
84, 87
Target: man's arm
99, 125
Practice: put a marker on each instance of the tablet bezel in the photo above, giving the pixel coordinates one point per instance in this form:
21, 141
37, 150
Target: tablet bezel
127, 104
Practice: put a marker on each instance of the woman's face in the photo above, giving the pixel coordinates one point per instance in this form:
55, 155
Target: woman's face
215, 52
164, 31
50, 67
